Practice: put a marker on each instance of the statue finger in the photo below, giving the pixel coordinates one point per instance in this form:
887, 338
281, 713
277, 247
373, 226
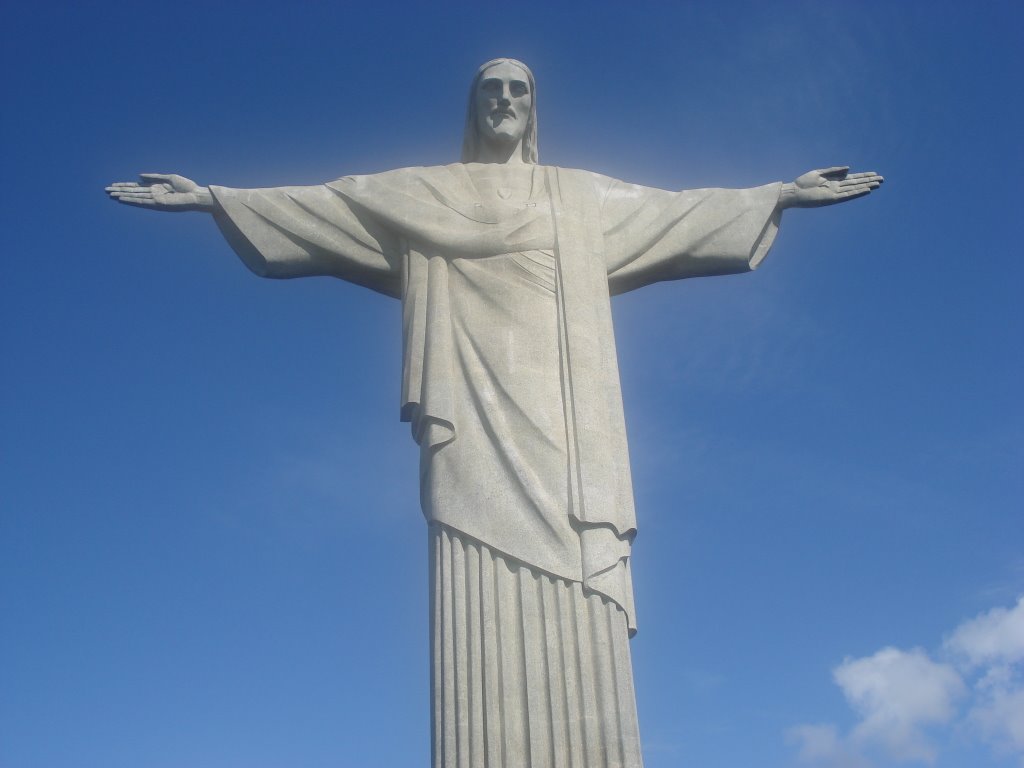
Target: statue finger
848, 182
855, 188
862, 175
123, 185
152, 191
132, 195
853, 194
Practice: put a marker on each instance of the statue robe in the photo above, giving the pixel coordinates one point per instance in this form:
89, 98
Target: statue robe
511, 385
510, 377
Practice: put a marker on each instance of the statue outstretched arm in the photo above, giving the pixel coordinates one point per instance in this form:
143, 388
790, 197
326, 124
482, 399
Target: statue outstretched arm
828, 186
164, 192
283, 232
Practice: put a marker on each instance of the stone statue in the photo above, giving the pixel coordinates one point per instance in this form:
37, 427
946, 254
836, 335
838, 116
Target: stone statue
505, 268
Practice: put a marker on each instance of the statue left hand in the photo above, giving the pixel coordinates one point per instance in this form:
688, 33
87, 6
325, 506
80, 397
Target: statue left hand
828, 186
163, 192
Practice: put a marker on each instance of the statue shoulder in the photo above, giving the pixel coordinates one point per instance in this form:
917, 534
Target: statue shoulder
582, 184
397, 180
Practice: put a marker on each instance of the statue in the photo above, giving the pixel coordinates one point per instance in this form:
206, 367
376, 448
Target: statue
504, 268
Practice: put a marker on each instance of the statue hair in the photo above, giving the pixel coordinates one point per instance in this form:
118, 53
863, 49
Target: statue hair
471, 137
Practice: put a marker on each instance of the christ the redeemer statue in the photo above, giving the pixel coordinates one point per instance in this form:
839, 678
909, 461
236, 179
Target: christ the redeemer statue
505, 269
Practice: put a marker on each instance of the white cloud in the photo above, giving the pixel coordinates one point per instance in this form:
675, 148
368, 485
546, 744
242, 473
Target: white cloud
995, 637
898, 694
904, 699
993, 644
821, 745
999, 716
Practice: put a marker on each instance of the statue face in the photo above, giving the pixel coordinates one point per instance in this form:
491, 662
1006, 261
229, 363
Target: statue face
503, 101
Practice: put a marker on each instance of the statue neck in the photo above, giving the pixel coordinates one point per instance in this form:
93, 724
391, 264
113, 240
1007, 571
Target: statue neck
511, 182
503, 153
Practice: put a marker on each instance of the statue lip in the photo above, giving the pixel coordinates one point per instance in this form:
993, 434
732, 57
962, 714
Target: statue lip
503, 113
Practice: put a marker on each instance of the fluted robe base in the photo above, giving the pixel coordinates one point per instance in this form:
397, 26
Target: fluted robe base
527, 670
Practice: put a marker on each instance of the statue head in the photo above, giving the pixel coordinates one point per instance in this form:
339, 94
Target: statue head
502, 110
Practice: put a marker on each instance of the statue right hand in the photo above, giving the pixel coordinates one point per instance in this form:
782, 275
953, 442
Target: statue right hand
163, 192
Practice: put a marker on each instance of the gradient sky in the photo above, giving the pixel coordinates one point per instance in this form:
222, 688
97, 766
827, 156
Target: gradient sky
211, 552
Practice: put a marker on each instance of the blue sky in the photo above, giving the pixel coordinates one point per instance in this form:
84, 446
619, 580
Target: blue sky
211, 552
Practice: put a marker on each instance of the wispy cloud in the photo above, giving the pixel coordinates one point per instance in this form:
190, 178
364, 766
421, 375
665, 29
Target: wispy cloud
821, 745
993, 644
906, 700
898, 694
993, 638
